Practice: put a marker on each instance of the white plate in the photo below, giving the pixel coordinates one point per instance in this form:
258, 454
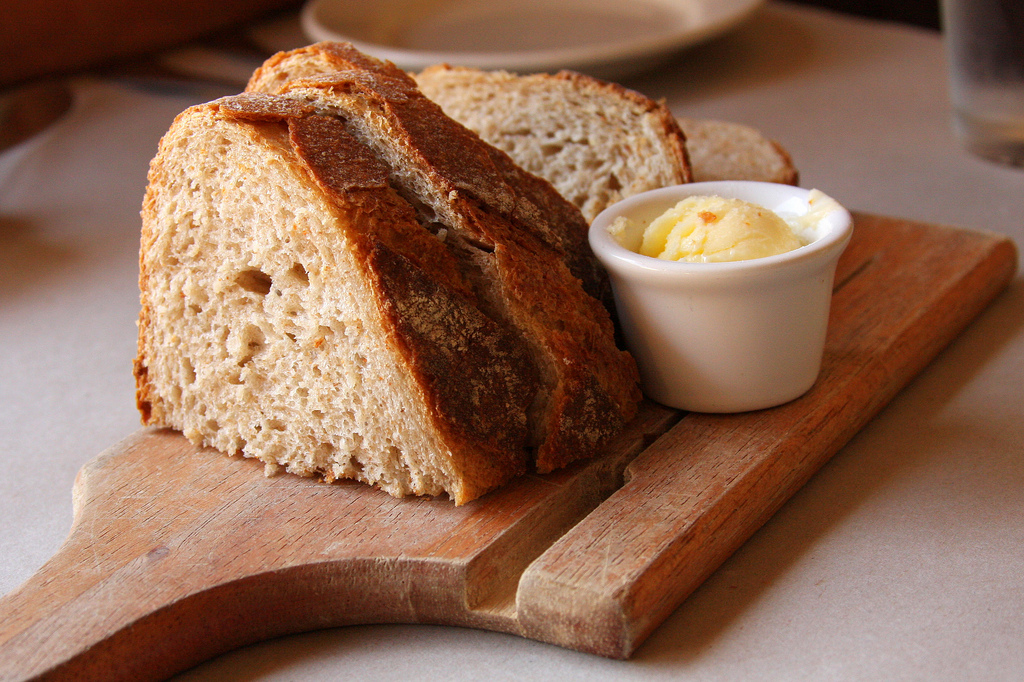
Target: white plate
605, 38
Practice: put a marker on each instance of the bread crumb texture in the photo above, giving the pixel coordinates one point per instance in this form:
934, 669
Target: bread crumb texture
321, 293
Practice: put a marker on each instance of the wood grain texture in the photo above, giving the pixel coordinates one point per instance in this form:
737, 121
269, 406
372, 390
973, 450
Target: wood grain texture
178, 554
903, 292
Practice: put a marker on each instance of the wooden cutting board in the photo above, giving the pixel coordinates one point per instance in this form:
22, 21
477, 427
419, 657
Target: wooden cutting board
178, 554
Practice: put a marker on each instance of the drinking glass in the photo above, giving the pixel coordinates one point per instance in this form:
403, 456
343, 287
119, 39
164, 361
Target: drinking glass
985, 49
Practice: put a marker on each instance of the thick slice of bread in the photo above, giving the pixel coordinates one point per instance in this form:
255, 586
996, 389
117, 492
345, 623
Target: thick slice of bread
341, 281
596, 142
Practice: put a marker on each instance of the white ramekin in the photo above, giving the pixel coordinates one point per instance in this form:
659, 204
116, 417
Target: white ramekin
723, 337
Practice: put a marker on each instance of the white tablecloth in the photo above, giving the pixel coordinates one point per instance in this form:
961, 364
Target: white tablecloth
903, 559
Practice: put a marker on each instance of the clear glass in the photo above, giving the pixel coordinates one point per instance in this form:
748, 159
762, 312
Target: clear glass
985, 48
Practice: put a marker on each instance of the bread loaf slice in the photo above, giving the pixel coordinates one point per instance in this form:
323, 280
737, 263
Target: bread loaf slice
343, 282
596, 142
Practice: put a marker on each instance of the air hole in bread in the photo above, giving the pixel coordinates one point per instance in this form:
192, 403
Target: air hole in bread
251, 342
323, 335
613, 183
299, 273
188, 370
256, 281
276, 425
550, 149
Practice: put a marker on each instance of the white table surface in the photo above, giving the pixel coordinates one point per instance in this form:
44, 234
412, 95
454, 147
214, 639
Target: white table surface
903, 559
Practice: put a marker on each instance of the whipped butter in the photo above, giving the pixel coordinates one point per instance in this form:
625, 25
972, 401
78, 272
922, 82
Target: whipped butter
711, 229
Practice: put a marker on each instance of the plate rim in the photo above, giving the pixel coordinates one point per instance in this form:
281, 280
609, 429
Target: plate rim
579, 58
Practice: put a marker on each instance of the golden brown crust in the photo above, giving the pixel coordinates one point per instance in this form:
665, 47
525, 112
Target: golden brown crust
448, 152
792, 175
257, 106
338, 162
474, 373
597, 388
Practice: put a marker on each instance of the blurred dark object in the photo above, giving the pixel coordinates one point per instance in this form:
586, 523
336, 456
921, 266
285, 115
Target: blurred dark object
26, 110
918, 12
47, 37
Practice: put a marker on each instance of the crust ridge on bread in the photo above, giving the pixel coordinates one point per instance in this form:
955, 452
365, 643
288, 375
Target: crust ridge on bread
342, 282
549, 215
596, 142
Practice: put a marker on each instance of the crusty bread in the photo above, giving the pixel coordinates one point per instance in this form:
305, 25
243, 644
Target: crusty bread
548, 212
722, 150
596, 142
341, 281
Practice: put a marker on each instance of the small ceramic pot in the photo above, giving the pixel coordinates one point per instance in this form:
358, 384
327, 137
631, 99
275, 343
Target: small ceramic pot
723, 337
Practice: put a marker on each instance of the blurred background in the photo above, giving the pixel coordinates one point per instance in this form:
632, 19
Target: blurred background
41, 38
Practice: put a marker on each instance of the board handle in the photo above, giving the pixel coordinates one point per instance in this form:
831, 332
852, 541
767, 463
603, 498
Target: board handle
79, 619
149, 582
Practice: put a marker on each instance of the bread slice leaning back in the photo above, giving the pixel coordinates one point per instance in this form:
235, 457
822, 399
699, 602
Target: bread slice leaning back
723, 150
342, 282
596, 142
